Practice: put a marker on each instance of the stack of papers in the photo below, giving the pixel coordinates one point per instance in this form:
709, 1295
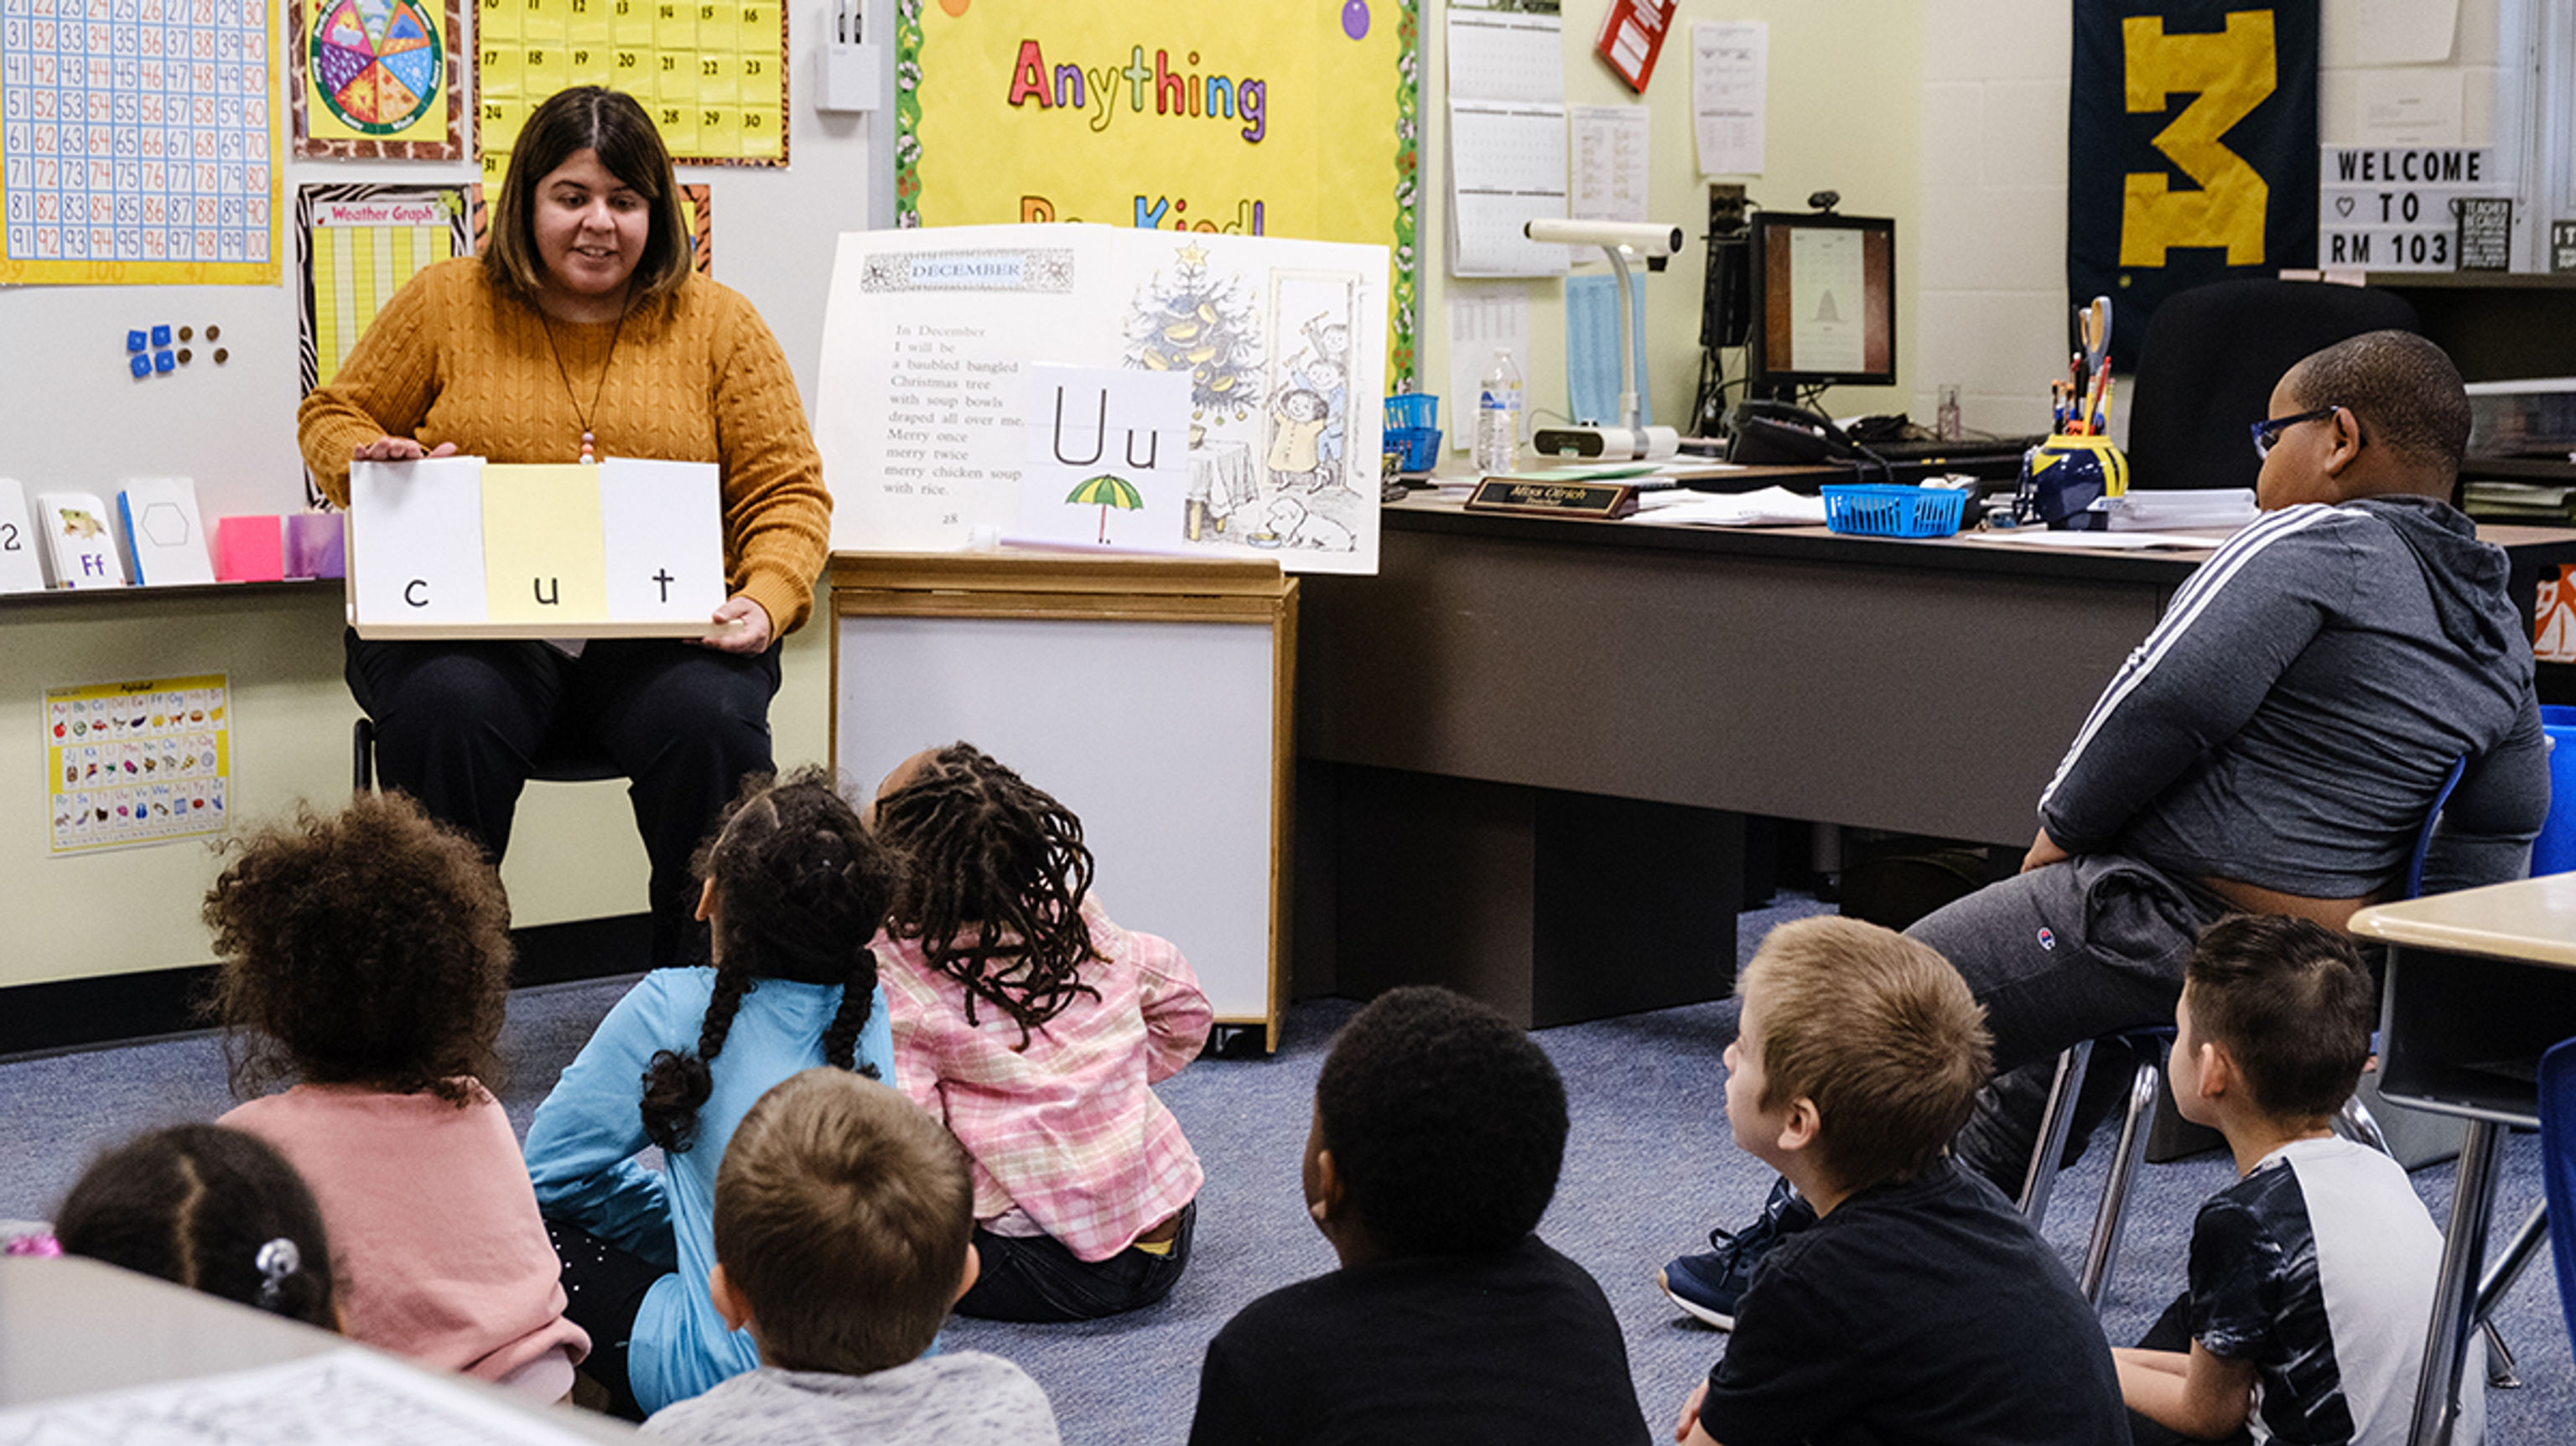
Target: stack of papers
1770, 507
2229, 507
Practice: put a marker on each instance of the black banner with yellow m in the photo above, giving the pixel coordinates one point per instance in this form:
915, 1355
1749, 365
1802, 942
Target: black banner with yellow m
2191, 150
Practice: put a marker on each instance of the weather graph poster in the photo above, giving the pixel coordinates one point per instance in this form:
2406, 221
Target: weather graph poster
1174, 115
377, 79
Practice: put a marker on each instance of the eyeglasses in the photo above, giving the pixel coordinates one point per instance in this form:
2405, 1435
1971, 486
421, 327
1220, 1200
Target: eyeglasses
2267, 433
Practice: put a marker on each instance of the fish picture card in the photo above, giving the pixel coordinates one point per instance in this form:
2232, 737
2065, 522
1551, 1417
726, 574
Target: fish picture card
80, 540
922, 403
458, 547
21, 569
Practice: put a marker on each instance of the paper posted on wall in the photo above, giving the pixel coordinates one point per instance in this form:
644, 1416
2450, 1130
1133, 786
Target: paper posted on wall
1100, 386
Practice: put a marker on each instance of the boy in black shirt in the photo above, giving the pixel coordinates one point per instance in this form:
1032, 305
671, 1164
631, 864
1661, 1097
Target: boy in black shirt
1439, 1129
1919, 1306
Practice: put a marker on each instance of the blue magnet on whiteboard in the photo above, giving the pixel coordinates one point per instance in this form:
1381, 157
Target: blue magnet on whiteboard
162, 361
160, 336
134, 341
139, 364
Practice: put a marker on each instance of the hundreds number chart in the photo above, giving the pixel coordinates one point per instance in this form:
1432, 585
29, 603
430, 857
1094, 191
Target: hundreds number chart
138, 142
711, 75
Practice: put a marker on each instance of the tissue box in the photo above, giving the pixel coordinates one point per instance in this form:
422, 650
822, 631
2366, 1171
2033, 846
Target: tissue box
249, 549
317, 545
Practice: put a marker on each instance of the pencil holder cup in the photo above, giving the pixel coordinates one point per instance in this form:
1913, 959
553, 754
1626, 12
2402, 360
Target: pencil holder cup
2064, 476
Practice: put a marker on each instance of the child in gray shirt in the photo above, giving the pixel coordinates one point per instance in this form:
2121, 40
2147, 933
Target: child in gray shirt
843, 1225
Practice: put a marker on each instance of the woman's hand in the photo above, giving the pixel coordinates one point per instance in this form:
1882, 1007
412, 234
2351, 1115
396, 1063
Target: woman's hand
741, 626
400, 449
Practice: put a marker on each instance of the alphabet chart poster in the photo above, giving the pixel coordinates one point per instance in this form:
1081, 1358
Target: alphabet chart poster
1170, 115
711, 73
138, 143
137, 763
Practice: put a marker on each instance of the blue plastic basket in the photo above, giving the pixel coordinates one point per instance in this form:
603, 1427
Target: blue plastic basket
1412, 410
1413, 449
1884, 511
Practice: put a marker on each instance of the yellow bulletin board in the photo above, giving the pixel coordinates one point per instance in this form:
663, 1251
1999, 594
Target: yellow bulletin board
1287, 118
138, 142
712, 75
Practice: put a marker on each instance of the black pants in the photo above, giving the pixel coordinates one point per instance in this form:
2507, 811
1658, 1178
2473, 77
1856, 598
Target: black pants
604, 1289
459, 726
1034, 1278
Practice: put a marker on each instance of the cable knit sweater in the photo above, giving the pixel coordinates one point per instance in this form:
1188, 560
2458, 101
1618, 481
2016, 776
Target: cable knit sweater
695, 377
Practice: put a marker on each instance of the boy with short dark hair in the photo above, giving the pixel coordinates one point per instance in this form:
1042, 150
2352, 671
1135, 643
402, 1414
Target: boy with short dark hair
1919, 1306
844, 1219
2312, 1275
1439, 1130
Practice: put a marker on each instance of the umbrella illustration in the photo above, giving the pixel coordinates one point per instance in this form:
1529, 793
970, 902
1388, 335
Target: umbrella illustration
1104, 492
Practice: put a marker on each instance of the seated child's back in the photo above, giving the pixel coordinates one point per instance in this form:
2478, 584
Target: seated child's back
2312, 1276
366, 956
1439, 1131
842, 1219
1919, 1306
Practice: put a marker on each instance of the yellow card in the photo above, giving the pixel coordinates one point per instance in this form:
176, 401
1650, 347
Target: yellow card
675, 105
591, 35
543, 22
544, 68
498, 77
497, 22
760, 132
542, 554
632, 23
675, 27
716, 83
630, 69
719, 131
587, 64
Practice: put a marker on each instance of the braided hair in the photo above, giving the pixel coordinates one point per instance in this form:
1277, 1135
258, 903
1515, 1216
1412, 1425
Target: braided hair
994, 878
803, 888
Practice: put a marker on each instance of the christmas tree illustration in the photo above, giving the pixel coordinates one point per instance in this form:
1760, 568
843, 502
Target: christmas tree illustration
1187, 320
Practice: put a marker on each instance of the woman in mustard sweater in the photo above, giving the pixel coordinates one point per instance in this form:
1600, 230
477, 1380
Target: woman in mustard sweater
583, 332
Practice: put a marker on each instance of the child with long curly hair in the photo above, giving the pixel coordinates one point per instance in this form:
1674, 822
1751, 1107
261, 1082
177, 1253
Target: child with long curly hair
794, 889
1034, 1028
365, 962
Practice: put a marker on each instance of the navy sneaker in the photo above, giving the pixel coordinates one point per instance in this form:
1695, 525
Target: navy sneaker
1708, 1285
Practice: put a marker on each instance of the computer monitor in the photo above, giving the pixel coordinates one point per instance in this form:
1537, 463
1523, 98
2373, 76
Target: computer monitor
1824, 302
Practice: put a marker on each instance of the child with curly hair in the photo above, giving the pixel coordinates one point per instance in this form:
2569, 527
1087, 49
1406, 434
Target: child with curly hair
1034, 1028
207, 1208
365, 960
794, 889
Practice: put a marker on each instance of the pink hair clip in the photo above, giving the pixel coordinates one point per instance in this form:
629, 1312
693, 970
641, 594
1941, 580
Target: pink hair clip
32, 1245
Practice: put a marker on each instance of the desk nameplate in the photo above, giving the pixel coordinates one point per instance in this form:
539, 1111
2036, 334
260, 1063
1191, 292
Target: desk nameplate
1600, 501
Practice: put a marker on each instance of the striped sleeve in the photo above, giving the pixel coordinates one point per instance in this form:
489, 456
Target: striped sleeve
2231, 630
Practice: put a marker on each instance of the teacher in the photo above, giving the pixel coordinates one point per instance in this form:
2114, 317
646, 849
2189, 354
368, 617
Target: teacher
583, 332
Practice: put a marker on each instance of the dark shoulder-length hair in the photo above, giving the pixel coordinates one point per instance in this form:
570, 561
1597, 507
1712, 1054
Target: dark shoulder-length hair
611, 123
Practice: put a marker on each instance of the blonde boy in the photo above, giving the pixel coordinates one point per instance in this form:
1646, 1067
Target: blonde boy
844, 1219
2312, 1277
1919, 1306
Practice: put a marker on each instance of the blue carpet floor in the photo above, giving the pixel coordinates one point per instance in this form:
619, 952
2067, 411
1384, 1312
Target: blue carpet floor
1649, 1169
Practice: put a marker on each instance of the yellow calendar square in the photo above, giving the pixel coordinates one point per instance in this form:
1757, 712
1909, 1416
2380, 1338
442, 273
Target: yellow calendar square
587, 63
760, 132
502, 120
497, 21
632, 23
630, 69
498, 78
675, 27
678, 120
719, 131
542, 22
716, 82
543, 68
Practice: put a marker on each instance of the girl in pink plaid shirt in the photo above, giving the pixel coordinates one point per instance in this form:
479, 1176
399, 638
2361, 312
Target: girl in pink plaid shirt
1034, 1028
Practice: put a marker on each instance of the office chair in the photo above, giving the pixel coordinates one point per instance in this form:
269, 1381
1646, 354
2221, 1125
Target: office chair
557, 761
2211, 358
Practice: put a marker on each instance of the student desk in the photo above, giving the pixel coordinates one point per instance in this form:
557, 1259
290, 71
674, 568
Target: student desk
1526, 744
72, 1327
2479, 983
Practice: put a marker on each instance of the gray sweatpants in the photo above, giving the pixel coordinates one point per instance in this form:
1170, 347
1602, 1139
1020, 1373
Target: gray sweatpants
2057, 956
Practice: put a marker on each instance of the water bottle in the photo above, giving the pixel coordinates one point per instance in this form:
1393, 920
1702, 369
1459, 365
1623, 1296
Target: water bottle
1498, 415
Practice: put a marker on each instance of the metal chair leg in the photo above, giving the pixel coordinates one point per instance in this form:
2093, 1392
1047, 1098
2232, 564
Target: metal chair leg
2041, 1180
2113, 1214
2500, 1278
